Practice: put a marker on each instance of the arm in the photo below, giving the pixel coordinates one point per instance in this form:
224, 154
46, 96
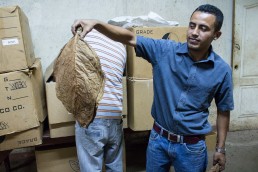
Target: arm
116, 33
222, 129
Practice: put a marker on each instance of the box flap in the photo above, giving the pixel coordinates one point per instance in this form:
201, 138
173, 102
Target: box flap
39, 90
49, 72
10, 9
30, 137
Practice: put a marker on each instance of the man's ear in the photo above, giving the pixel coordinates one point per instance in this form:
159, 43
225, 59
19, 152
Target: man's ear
217, 35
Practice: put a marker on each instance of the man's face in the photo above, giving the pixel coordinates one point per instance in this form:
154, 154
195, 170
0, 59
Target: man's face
201, 31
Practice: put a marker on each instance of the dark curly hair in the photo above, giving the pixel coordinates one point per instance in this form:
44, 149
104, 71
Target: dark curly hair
207, 8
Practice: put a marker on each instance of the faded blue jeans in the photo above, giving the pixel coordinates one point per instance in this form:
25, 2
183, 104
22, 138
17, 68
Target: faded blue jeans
162, 153
100, 143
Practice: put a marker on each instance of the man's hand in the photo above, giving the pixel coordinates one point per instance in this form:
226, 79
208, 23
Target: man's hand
115, 33
86, 25
219, 158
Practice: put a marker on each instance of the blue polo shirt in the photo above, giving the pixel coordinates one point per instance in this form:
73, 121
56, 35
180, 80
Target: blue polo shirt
184, 89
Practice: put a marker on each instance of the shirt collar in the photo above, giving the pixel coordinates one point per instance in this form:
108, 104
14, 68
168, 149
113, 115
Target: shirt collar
182, 49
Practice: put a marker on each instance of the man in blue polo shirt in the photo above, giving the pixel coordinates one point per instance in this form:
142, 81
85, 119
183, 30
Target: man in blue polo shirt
187, 76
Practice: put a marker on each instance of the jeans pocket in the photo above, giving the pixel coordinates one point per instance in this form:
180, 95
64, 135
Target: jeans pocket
154, 135
94, 132
197, 148
90, 140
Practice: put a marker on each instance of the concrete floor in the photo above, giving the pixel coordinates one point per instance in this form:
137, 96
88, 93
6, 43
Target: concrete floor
242, 155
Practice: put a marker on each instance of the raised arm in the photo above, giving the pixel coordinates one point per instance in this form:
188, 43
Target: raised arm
116, 33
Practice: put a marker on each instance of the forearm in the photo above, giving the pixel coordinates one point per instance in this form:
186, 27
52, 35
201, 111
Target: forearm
223, 119
116, 33
222, 129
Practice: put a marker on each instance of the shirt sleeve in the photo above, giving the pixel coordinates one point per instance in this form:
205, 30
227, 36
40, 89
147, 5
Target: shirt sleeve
224, 96
148, 48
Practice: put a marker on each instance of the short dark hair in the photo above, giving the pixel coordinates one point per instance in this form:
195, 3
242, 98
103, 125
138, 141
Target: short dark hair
207, 8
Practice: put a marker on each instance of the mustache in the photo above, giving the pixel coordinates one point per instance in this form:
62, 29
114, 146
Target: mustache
195, 39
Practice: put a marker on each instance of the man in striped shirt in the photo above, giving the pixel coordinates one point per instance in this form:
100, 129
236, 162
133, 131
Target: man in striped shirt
101, 142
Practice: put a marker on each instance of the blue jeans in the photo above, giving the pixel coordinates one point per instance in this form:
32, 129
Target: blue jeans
162, 153
100, 143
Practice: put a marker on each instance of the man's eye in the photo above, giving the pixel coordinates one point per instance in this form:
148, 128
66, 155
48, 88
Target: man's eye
203, 28
192, 26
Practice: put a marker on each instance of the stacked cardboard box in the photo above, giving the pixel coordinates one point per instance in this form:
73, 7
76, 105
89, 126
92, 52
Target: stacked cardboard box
22, 96
139, 77
61, 122
62, 159
125, 110
16, 45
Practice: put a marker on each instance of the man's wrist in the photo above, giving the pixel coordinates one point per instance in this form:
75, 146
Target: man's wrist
221, 150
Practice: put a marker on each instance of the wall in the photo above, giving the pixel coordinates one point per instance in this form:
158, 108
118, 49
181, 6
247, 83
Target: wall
50, 21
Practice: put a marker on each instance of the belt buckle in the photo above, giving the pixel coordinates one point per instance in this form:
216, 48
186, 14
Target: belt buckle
178, 137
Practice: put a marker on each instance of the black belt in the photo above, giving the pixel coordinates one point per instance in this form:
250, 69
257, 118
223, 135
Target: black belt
192, 139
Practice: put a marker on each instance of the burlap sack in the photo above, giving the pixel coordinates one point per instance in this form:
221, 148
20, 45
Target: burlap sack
79, 80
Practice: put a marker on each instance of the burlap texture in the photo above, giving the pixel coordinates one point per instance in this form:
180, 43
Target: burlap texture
79, 80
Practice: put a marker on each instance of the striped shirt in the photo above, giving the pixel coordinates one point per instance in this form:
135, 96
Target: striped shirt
112, 58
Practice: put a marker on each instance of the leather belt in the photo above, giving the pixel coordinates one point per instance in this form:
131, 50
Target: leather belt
190, 139
109, 117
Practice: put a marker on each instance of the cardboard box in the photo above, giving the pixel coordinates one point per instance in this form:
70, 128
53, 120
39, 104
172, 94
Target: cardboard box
16, 46
22, 97
124, 112
61, 122
63, 159
137, 67
140, 98
211, 140
62, 129
22, 139
57, 113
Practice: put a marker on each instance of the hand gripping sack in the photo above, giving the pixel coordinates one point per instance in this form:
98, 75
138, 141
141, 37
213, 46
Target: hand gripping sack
79, 80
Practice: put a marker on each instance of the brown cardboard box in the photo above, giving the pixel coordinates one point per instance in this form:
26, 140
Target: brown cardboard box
22, 97
140, 98
57, 113
62, 129
63, 159
22, 139
211, 140
16, 46
55, 160
61, 122
137, 67
124, 112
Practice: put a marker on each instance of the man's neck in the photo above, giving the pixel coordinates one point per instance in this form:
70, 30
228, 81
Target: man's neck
198, 55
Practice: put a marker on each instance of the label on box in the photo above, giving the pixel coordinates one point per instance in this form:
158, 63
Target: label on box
13, 41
